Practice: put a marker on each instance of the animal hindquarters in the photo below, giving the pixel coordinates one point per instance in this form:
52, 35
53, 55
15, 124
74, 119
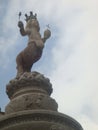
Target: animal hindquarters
28, 57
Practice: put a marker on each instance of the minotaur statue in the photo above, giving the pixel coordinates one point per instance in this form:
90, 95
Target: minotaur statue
33, 51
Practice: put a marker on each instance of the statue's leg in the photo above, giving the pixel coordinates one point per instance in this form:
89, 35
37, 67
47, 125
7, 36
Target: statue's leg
28, 67
19, 61
20, 70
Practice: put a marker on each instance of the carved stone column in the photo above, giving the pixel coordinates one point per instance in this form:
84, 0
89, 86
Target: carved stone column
32, 108
28, 92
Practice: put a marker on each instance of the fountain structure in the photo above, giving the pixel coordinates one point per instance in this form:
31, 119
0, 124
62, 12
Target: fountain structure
30, 106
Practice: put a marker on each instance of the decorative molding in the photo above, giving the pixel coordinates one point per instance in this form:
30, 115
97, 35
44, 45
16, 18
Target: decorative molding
50, 117
28, 79
31, 101
57, 127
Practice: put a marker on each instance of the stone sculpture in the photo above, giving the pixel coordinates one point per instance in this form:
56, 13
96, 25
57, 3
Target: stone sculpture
33, 52
31, 106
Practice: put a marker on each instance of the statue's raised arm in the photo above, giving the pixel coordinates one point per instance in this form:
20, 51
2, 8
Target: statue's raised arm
33, 51
21, 26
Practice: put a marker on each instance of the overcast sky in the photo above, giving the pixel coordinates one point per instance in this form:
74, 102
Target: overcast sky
70, 57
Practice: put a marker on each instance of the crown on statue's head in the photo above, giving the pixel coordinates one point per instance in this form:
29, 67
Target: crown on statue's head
31, 16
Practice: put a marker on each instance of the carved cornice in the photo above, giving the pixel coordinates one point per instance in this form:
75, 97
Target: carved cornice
53, 118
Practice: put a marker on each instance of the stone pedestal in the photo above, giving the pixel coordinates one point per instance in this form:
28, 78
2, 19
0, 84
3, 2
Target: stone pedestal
29, 92
32, 108
38, 120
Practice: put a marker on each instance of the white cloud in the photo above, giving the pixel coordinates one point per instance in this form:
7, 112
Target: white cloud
88, 123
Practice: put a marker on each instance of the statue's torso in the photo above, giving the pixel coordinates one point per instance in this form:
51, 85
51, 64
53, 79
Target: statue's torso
35, 37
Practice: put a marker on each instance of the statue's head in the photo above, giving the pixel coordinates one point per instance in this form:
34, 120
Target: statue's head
32, 21
31, 16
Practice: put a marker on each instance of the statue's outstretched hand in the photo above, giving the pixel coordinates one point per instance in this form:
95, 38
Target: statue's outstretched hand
47, 33
20, 24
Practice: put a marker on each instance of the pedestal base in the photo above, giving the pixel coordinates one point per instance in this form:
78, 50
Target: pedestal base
29, 92
38, 120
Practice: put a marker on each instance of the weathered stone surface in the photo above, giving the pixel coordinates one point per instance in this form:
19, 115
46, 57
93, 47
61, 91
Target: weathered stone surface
28, 92
29, 79
2, 114
38, 120
30, 102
